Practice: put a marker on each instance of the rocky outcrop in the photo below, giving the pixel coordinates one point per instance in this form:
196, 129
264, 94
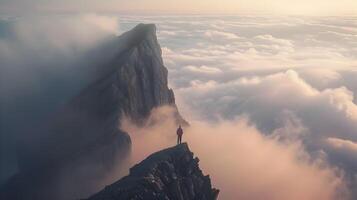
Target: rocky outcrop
131, 83
169, 174
84, 143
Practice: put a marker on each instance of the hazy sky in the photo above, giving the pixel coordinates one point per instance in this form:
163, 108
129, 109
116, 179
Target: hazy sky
301, 7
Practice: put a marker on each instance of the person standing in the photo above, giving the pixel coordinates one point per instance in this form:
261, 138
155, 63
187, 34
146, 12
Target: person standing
179, 133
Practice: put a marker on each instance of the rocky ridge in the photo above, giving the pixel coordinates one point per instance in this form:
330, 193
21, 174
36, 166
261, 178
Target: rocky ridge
130, 80
172, 174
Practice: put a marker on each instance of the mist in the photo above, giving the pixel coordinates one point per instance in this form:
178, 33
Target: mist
44, 62
241, 161
271, 100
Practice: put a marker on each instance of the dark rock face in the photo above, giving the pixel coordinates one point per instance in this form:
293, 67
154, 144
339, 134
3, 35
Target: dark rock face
130, 80
169, 174
132, 84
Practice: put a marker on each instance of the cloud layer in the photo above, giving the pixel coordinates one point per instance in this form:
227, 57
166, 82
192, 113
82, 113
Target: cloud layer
242, 162
279, 89
290, 77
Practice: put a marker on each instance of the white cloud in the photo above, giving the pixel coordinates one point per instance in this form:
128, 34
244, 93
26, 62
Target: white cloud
242, 162
272, 40
218, 35
166, 33
329, 112
343, 144
321, 78
202, 69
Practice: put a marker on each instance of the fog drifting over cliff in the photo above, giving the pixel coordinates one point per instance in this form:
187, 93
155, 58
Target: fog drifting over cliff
242, 162
270, 99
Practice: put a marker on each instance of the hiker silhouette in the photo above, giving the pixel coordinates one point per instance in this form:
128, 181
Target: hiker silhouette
179, 133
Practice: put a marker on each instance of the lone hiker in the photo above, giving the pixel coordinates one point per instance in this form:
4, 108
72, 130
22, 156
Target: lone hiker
179, 133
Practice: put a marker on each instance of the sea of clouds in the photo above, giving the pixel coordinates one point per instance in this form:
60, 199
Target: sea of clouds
271, 100
291, 79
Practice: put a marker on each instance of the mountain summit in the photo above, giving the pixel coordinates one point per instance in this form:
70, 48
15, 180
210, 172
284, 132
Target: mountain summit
172, 173
84, 143
130, 84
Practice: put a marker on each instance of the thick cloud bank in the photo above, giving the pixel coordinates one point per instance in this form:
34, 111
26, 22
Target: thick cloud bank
242, 162
43, 61
34, 45
266, 99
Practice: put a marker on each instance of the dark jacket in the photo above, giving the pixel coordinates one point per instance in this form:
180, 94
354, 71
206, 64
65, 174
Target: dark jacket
179, 131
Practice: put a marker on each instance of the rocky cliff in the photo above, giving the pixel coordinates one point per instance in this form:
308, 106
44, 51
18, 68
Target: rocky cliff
169, 174
84, 144
131, 83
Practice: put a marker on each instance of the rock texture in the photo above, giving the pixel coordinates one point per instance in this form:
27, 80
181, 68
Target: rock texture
84, 143
171, 174
132, 83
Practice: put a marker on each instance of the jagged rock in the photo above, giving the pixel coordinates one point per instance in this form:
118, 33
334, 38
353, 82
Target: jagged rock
132, 84
130, 80
171, 174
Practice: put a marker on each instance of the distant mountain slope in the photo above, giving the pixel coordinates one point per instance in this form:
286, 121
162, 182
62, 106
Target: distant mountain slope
84, 143
169, 174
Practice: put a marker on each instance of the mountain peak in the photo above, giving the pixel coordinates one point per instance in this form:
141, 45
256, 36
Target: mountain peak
131, 81
140, 33
145, 28
172, 173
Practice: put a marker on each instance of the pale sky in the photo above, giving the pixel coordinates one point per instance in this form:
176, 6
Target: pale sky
293, 7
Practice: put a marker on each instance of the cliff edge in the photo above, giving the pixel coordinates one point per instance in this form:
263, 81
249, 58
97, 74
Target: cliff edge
83, 144
172, 173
